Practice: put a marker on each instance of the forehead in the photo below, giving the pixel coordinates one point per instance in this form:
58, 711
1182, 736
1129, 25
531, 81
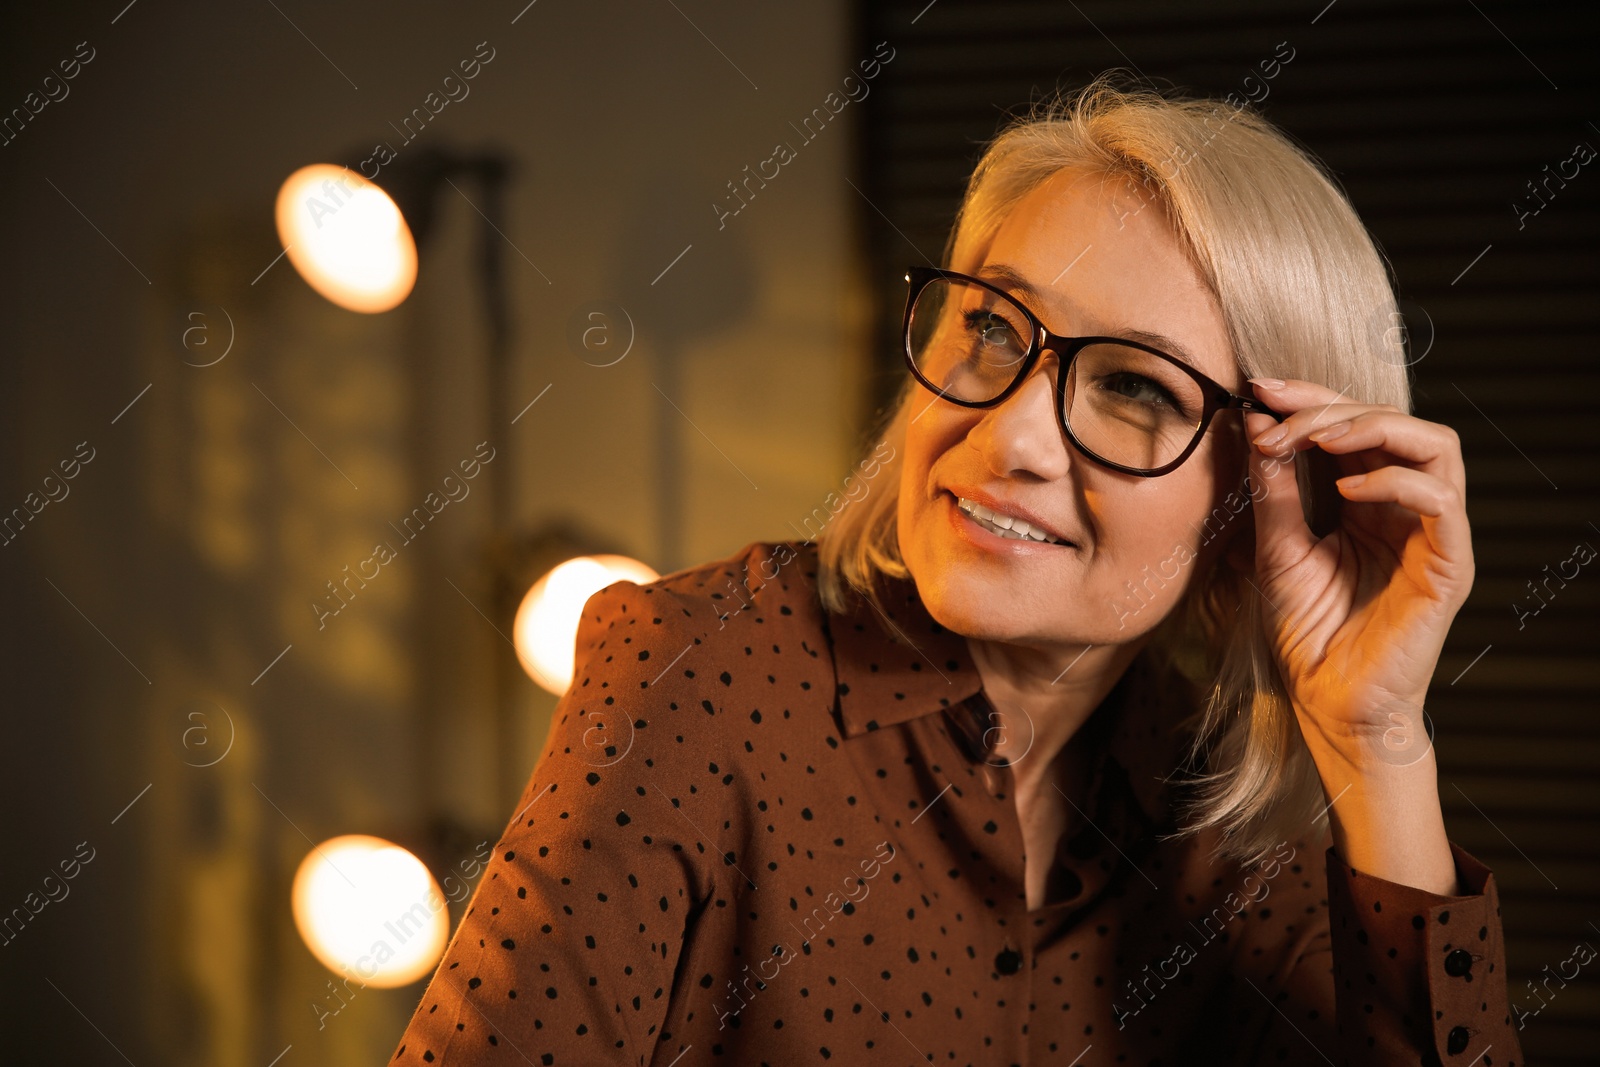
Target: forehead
1092, 254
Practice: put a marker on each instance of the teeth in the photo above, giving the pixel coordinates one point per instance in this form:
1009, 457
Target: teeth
1003, 521
1004, 525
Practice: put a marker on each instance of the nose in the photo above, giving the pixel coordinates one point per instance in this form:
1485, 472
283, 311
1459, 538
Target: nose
1021, 433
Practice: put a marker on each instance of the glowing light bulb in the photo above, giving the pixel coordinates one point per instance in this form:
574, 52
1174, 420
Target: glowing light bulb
346, 237
368, 908
546, 627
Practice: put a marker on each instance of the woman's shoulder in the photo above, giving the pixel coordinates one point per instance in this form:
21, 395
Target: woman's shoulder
708, 633
788, 564
706, 667
770, 583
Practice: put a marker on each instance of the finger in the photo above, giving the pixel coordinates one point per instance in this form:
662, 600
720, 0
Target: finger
1296, 427
1430, 446
1442, 509
1345, 429
1282, 536
1295, 394
1283, 439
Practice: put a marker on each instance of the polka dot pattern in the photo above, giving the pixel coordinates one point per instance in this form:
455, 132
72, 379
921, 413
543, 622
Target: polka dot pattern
765, 834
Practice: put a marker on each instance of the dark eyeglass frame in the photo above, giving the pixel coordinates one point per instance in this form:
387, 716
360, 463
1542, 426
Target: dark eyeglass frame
1216, 396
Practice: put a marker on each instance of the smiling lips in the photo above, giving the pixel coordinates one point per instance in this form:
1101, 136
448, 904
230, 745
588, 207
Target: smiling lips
1007, 526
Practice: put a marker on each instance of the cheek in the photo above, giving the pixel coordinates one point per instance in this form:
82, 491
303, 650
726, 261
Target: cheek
914, 461
1143, 526
928, 446
914, 452
905, 518
926, 440
1160, 526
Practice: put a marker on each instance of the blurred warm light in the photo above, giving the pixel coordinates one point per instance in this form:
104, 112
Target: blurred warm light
346, 237
547, 622
368, 908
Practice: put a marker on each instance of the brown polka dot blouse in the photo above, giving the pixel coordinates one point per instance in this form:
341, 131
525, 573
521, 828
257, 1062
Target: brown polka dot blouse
764, 834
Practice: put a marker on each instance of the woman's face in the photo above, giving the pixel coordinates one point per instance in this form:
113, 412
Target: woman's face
1100, 265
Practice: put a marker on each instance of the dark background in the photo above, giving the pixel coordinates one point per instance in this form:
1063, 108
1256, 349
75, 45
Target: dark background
191, 546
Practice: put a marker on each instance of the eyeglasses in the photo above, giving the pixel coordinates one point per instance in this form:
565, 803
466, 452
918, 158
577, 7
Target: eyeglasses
1125, 405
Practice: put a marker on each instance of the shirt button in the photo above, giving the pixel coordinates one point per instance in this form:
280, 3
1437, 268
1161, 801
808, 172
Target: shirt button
1458, 963
1008, 962
1456, 1040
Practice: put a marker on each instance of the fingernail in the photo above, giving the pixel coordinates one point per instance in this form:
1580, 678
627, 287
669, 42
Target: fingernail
1267, 383
1338, 429
1352, 481
1271, 437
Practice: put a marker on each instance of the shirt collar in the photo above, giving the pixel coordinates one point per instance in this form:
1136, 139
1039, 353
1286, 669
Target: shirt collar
883, 681
898, 663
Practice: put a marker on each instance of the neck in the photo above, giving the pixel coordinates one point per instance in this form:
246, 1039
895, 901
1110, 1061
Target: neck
1044, 695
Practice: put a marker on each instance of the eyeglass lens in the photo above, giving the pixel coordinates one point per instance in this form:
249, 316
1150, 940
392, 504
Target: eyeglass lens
1122, 404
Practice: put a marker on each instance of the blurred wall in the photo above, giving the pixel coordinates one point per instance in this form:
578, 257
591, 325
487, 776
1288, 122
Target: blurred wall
176, 708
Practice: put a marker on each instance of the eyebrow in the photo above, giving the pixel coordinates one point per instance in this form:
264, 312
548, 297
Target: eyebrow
1010, 278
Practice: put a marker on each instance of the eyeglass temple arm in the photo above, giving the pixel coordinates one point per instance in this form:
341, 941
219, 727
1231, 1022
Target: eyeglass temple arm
1245, 403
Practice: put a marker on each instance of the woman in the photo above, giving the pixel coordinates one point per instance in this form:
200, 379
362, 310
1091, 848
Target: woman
1069, 739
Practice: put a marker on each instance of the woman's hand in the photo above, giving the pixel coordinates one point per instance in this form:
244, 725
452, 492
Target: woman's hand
1359, 616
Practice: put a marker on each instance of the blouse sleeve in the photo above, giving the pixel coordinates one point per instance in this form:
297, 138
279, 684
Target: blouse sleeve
1382, 973
1418, 972
567, 951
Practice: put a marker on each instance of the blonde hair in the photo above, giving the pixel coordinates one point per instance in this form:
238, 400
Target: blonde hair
1304, 293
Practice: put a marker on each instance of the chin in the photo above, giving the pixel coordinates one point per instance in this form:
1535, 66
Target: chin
971, 619
962, 599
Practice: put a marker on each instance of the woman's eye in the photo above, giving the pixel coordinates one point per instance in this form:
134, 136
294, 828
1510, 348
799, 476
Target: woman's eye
991, 329
1138, 387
